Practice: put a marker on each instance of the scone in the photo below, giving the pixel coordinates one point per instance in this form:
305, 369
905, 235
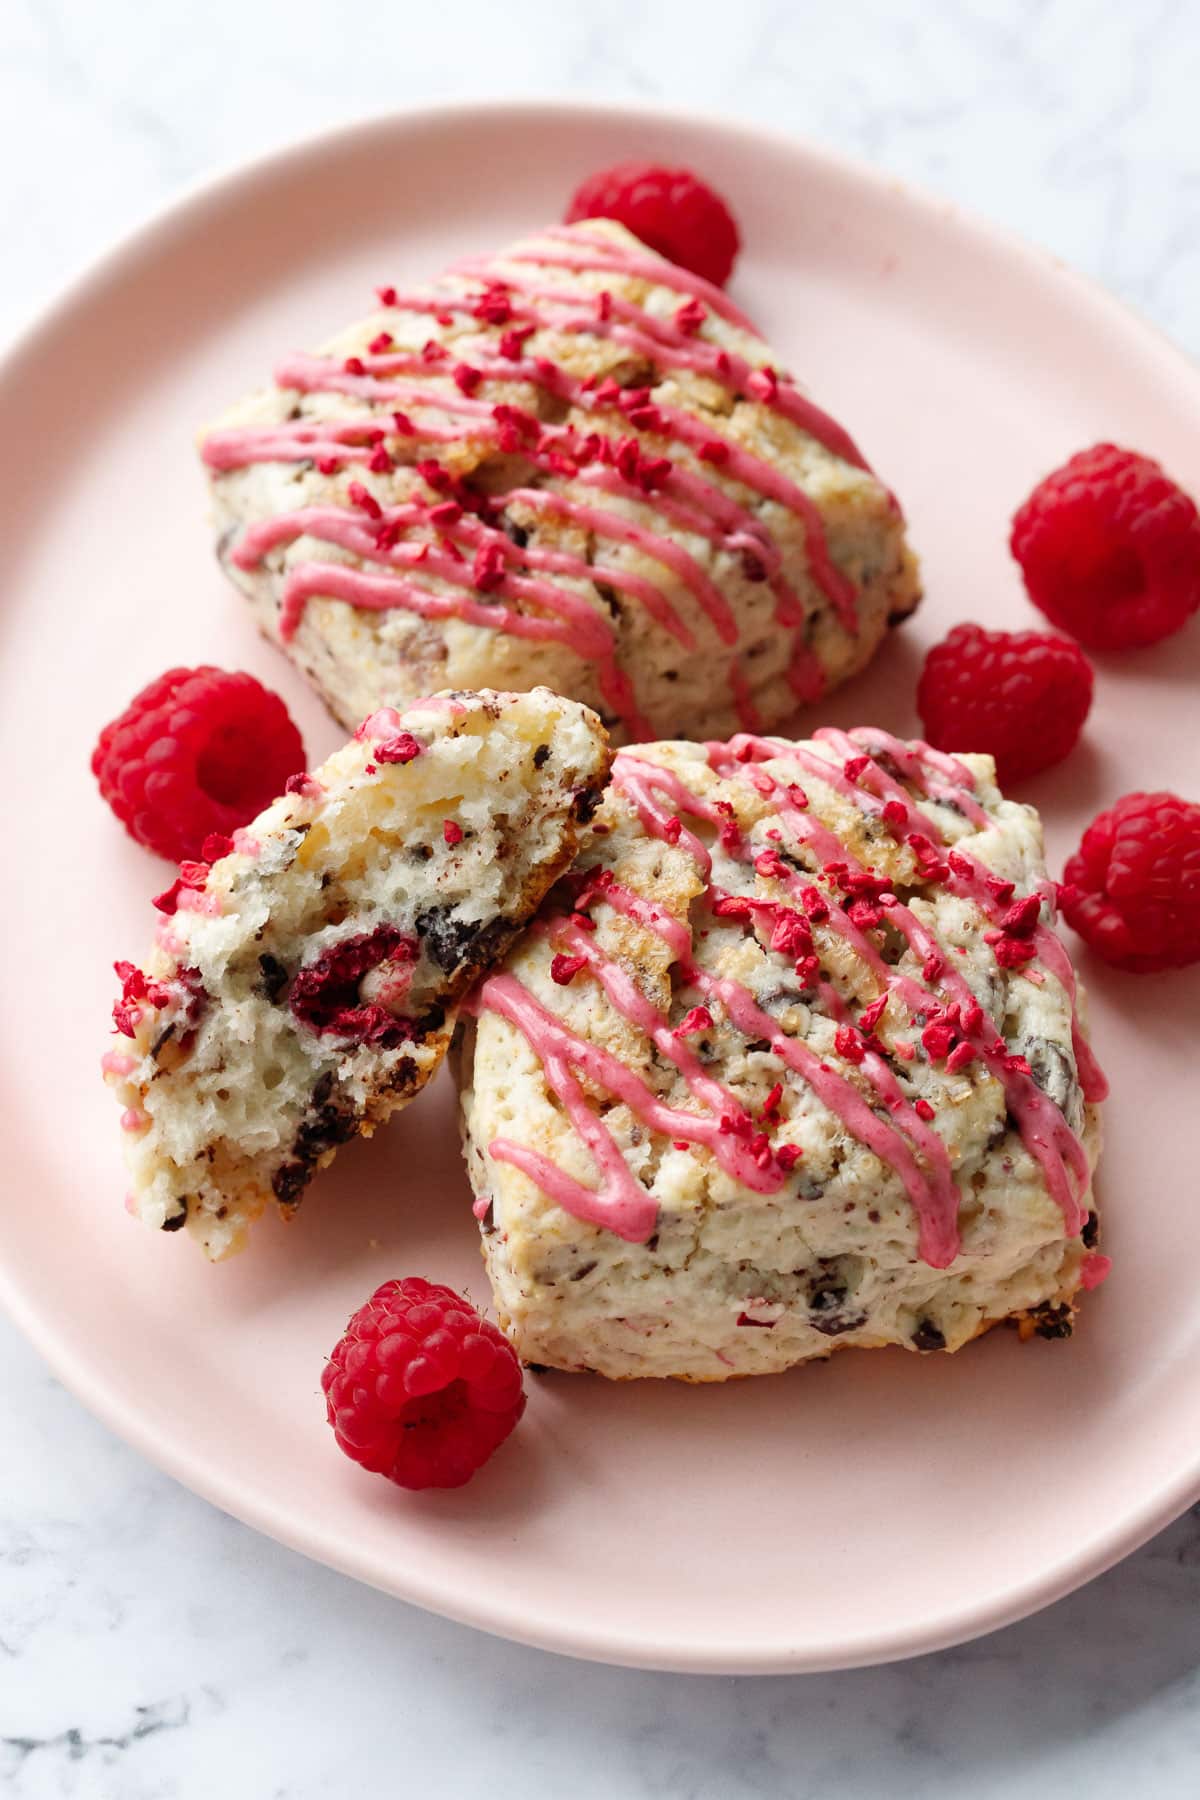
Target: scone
792, 1061
573, 463
302, 988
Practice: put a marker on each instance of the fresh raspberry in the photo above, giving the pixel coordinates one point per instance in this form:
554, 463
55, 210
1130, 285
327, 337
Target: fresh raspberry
671, 210
1110, 549
1021, 696
420, 1388
199, 751
1132, 889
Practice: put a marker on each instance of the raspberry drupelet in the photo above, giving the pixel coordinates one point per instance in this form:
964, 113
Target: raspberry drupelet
1021, 696
1109, 547
420, 1388
672, 210
1132, 889
196, 753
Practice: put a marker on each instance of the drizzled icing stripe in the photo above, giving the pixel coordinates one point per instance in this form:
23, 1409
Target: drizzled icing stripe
922, 765
1042, 1125
622, 261
331, 580
931, 1187
315, 374
682, 495
626, 323
935, 1198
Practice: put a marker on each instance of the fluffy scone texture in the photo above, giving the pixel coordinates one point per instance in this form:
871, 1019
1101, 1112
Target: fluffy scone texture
304, 987
559, 465
791, 1062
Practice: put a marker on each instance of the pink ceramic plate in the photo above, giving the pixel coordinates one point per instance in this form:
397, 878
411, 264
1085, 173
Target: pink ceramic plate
846, 1513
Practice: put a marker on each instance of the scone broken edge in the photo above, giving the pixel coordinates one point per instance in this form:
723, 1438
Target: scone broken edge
303, 988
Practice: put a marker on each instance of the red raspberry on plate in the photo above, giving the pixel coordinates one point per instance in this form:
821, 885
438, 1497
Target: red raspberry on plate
420, 1388
198, 752
1132, 889
671, 210
1110, 549
1022, 696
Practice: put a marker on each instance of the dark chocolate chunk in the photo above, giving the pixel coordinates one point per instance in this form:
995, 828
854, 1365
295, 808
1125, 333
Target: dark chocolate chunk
1050, 1321
928, 1337
450, 942
1090, 1235
585, 804
323, 1128
176, 1221
274, 976
541, 756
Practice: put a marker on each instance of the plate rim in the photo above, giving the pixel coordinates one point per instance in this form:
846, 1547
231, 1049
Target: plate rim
185, 212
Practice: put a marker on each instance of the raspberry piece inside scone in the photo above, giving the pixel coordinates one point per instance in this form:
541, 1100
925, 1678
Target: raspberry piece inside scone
196, 752
671, 210
812, 1074
1109, 547
420, 1388
1020, 697
572, 463
1132, 889
303, 985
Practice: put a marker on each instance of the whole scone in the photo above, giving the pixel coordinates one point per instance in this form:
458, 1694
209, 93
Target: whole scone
573, 463
303, 987
791, 1061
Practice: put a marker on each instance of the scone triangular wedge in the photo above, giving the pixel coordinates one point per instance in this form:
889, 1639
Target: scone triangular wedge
572, 463
791, 1061
303, 986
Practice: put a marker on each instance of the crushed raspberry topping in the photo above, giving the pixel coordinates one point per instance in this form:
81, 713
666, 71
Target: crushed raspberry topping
1109, 547
402, 748
420, 1388
193, 875
564, 968
136, 985
671, 210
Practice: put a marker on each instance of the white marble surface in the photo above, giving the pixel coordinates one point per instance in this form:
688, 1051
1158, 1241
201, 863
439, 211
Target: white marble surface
151, 1649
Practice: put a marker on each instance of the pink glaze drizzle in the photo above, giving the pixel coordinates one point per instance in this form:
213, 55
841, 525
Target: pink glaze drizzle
902, 1140
684, 496
1094, 1269
1042, 1125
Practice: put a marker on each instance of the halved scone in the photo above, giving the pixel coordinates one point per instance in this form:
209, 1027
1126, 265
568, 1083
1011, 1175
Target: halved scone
303, 987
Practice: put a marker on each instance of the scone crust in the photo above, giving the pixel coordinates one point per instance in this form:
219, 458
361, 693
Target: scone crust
555, 442
717, 1279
